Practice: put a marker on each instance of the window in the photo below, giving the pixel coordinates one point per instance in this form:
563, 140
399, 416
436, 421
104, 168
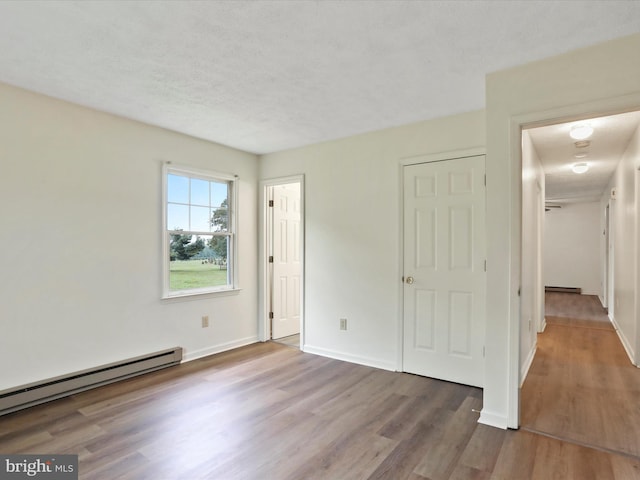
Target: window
199, 232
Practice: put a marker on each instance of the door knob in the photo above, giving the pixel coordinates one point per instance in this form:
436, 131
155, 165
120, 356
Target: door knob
409, 280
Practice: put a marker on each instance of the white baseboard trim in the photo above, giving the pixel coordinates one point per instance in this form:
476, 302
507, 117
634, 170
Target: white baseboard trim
493, 419
544, 325
223, 347
601, 298
347, 357
527, 364
624, 341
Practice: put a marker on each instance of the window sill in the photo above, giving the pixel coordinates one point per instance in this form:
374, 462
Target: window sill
190, 296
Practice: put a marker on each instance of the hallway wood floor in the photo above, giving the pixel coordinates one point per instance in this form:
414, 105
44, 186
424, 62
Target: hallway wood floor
269, 411
582, 386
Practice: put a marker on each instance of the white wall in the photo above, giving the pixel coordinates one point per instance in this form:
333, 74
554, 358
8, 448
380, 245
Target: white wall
624, 213
532, 305
572, 256
80, 230
581, 84
353, 231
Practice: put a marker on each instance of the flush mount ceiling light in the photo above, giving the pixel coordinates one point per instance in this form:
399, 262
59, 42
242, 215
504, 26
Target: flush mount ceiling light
580, 155
582, 143
581, 131
580, 167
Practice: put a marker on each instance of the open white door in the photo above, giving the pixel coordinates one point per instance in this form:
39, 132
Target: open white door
286, 265
444, 270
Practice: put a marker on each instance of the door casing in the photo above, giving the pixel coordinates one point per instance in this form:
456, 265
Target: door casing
576, 112
263, 256
284, 260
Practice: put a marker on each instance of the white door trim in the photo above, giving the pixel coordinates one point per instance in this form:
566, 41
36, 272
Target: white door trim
636, 283
611, 254
263, 271
605, 253
581, 111
440, 156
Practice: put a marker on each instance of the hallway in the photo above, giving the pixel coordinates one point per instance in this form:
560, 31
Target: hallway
582, 387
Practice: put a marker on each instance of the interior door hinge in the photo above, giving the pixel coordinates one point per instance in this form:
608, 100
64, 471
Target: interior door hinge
271, 203
270, 258
271, 325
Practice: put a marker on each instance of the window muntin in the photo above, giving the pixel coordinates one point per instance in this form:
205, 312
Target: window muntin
199, 232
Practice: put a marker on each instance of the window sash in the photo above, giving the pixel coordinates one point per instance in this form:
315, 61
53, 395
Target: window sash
229, 234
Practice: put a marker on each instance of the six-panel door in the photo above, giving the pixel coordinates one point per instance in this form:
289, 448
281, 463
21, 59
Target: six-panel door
444, 270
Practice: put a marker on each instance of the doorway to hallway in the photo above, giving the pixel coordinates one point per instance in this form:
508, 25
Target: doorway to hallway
578, 208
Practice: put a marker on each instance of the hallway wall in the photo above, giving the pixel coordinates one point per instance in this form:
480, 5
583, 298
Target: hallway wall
532, 304
572, 247
624, 216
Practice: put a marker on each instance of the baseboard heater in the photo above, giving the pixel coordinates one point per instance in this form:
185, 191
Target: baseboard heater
44, 391
563, 289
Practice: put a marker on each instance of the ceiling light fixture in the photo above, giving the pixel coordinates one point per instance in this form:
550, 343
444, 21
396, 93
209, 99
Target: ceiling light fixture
580, 167
582, 143
580, 155
581, 131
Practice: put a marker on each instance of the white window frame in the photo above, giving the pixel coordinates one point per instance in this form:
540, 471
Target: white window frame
232, 257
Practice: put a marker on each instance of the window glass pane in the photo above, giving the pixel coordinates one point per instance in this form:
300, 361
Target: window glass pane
177, 189
199, 192
200, 219
177, 217
219, 194
197, 262
220, 219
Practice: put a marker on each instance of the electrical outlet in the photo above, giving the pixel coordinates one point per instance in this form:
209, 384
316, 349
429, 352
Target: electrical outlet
205, 321
343, 324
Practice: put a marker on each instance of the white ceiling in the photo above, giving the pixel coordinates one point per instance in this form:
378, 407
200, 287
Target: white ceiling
272, 75
557, 151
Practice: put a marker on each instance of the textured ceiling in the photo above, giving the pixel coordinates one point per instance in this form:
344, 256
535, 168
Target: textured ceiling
272, 75
557, 150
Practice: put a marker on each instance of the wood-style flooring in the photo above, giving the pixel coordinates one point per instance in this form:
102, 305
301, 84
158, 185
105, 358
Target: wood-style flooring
582, 386
290, 341
268, 411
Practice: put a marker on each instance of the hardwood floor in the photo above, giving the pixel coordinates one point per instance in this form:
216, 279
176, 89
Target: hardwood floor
268, 411
576, 307
581, 386
291, 341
